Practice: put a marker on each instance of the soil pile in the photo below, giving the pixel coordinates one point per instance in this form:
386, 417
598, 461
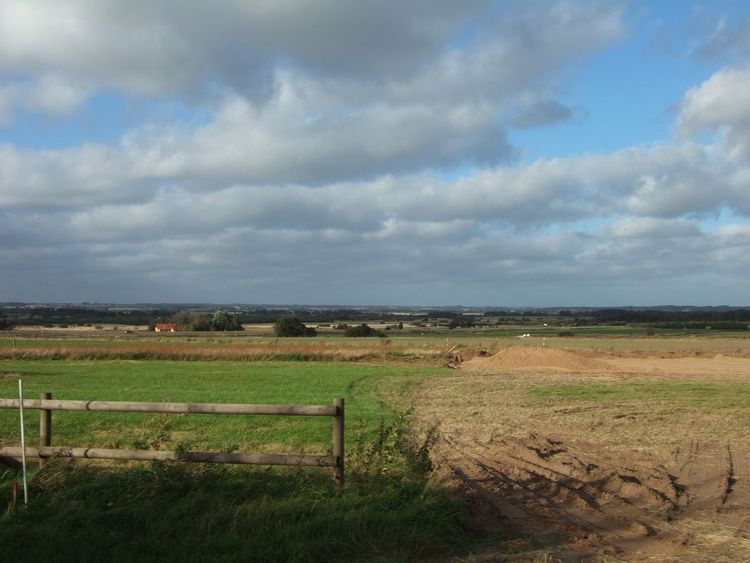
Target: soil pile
534, 358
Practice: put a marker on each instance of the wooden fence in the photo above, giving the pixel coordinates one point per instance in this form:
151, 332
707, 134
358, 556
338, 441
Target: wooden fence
45, 450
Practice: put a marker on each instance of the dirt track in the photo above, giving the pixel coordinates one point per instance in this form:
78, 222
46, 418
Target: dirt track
595, 481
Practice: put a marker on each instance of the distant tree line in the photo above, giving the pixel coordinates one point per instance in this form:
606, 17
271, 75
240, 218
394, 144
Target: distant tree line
610, 316
710, 325
83, 316
198, 317
195, 321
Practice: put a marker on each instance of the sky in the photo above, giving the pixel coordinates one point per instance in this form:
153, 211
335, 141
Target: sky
410, 152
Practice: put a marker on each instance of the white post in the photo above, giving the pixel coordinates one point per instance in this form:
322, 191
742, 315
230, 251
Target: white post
23, 445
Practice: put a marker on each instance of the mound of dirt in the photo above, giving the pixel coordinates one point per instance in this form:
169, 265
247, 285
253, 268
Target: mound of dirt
534, 358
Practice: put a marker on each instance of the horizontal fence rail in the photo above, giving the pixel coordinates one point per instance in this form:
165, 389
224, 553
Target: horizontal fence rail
179, 408
154, 455
45, 450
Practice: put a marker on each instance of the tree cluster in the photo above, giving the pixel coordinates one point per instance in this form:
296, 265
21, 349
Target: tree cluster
461, 322
292, 326
193, 321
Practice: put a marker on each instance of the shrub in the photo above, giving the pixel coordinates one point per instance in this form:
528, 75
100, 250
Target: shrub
362, 330
565, 333
461, 322
292, 326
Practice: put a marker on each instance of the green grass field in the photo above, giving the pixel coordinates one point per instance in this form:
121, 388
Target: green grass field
364, 387
90, 511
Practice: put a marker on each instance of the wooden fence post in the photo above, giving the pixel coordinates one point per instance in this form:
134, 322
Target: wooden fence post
45, 425
338, 443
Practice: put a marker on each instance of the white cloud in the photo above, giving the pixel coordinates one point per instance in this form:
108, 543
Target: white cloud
361, 155
48, 94
54, 95
723, 99
721, 104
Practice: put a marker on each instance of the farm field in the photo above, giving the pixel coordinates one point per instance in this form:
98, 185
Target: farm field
596, 448
418, 345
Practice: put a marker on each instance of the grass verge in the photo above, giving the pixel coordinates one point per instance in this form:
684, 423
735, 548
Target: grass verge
158, 512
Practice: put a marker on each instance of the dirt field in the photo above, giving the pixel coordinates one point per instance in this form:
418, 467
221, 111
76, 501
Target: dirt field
599, 456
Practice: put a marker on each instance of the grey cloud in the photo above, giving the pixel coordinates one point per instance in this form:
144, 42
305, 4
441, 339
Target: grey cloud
535, 114
172, 46
459, 267
668, 181
650, 228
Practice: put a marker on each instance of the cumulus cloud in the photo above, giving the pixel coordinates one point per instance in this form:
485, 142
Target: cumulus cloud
173, 46
349, 149
721, 104
723, 99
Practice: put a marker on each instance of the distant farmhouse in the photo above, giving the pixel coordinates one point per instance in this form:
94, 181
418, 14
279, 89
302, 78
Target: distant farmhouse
166, 327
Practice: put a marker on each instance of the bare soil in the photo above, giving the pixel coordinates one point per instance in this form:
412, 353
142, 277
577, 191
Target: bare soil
525, 358
585, 481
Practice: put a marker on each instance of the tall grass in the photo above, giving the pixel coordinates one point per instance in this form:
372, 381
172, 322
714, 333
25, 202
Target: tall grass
187, 352
166, 512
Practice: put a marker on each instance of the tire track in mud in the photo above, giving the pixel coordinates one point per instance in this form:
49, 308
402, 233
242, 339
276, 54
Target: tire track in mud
594, 502
717, 478
539, 485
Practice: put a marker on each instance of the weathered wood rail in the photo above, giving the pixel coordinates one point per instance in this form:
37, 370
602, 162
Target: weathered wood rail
45, 450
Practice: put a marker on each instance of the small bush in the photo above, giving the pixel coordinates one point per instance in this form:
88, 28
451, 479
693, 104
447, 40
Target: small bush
566, 333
